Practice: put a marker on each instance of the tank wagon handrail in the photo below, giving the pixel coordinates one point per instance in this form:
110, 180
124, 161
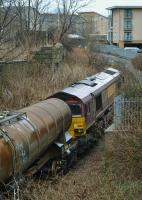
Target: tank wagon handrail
8, 118
27, 120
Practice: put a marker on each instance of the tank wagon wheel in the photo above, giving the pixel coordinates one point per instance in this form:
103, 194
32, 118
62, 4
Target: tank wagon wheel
59, 167
65, 167
54, 168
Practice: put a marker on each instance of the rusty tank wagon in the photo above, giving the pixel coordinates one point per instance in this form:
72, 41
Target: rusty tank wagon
26, 135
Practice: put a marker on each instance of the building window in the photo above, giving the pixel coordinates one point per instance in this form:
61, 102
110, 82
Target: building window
127, 25
127, 36
128, 13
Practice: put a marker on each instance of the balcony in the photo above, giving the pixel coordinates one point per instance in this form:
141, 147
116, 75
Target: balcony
127, 39
128, 14
128, 27
127, 36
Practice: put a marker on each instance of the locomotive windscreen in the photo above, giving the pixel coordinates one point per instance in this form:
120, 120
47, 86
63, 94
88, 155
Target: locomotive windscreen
75, 109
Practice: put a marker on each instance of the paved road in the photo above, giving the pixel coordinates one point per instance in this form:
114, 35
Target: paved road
119, 52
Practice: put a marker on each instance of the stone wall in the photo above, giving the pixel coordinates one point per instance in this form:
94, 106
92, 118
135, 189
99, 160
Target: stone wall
51, 55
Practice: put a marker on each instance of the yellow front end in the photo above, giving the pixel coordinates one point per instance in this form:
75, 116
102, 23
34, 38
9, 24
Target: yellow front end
78, 127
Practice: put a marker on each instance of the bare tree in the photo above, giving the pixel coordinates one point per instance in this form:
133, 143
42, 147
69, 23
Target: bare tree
67, 12
39, 7
6, 18
23, 17
28, 20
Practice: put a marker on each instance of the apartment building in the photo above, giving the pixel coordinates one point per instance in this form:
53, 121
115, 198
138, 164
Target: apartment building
125, 26
94, 23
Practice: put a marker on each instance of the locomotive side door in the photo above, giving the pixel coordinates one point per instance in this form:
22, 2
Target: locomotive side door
90, 109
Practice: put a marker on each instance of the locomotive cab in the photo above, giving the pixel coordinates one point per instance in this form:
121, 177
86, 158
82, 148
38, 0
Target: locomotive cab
78, 109
89, 99
78, 125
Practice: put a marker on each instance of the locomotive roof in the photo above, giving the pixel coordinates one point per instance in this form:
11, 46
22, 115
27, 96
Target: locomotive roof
92, 85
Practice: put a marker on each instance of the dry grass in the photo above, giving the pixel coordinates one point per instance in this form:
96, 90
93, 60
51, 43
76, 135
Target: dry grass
132, 85
137, 62
96, 60
26, 84
78, 55
124, 154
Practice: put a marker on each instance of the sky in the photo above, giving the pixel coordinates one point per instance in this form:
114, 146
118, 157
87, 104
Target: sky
101, 5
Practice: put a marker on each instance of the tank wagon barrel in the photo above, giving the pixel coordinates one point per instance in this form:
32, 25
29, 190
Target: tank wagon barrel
26, 135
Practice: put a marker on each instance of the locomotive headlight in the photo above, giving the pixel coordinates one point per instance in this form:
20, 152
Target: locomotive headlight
80, 131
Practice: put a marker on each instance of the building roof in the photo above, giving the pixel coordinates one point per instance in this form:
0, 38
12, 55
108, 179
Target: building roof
54, 16
92, 13
124, 7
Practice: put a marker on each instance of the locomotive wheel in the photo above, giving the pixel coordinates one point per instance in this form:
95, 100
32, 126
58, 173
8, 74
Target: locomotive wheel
66, 168
54, 168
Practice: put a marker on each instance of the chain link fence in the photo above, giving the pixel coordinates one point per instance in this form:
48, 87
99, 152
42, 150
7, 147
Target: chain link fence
128, 113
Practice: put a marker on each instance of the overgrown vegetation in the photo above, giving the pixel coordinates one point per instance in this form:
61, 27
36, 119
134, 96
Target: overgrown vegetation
23, 84
132, 85
124, 155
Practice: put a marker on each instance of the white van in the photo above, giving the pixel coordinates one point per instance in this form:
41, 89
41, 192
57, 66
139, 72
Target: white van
131, 48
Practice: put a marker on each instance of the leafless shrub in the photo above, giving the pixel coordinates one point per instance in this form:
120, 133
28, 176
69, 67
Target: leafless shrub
98, 61
132, 84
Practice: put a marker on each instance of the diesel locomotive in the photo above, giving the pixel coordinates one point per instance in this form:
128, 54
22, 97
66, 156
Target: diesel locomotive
47, 136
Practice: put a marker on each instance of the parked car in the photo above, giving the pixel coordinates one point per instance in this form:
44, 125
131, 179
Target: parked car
139, 51
135, 49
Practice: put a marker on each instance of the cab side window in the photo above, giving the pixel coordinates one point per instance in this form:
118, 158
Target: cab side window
98, 102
